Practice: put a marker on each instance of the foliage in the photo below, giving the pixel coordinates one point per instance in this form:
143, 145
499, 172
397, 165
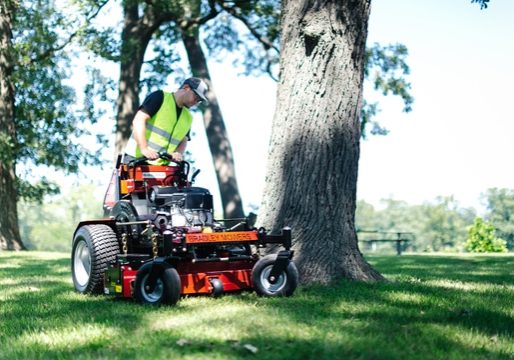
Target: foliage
438, 226
483, 3
248, 31
386, 69
500, 207
482, 238
48, 124
456, 307
165, 60
50, 226
251, 31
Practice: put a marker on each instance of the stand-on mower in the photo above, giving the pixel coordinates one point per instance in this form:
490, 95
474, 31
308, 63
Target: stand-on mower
159, 240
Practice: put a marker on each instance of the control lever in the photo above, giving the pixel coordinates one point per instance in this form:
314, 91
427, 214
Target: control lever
195, 174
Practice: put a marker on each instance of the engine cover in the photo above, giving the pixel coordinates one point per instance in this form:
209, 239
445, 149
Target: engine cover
181, 206
194, 198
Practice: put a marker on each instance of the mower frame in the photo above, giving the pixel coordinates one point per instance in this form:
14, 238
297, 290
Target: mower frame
135, 251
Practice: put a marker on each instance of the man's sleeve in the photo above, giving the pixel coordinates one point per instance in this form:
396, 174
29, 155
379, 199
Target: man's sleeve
152, 103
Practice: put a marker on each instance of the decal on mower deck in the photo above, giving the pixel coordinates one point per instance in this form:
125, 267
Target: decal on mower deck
154, 175
221, 237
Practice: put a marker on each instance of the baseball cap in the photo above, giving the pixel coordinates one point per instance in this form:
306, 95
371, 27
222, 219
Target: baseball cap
198, 86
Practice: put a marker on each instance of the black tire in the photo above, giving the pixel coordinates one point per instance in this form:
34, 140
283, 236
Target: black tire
217, 287
286, 283
166, 291
94, 247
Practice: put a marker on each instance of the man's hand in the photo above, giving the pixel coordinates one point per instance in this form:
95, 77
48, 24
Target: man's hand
176, 156
149, 153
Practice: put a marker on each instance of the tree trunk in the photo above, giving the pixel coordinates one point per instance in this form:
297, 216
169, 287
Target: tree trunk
219, 143
9, 232
135, 38
311, 178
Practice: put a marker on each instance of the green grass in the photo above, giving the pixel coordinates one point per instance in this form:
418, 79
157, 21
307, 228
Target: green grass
434, 307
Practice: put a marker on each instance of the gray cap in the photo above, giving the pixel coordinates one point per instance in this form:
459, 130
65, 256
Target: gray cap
198, 86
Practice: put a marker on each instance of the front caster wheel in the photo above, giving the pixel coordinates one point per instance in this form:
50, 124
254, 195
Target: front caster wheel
166, 290
217, 287
284, 285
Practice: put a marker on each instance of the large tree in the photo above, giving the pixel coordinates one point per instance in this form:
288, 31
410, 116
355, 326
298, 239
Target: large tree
311, 176
313, 159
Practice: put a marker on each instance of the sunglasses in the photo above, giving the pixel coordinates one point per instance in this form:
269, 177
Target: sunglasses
198, 99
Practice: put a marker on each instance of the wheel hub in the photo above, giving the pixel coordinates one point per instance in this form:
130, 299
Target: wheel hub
82, 263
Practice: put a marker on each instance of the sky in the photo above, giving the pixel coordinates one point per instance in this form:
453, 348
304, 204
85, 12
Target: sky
457, 141
459, 138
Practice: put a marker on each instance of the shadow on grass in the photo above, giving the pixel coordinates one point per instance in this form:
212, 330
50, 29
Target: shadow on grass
474, 269
409, 317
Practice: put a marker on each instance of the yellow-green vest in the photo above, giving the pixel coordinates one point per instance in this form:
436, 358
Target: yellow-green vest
163, 131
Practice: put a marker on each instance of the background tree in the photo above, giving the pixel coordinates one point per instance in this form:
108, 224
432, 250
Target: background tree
443, 225
39, 123
9, 232
440, 225
500, 206
50, 227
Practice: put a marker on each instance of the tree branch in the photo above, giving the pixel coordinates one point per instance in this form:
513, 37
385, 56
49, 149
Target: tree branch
52, 50
200, 20
263, 40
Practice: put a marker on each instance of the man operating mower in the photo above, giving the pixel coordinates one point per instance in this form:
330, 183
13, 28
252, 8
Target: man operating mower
162, 123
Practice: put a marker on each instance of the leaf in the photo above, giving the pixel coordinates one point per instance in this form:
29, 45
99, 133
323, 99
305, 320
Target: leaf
251, 348
183, 342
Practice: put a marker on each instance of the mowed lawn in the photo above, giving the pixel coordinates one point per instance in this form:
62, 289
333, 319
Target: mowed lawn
433, 307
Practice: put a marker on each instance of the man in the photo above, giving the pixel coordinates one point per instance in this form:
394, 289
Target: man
163, 121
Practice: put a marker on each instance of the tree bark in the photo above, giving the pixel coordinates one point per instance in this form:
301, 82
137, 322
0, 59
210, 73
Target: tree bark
219, 143
9, 231
311, 178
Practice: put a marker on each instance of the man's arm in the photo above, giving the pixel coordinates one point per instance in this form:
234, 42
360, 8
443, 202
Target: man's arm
139, 133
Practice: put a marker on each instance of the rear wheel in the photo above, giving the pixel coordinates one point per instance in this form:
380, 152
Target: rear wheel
94, 247
285, 284
166, 289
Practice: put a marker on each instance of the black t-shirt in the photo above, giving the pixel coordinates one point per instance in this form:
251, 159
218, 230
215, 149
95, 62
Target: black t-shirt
153, 102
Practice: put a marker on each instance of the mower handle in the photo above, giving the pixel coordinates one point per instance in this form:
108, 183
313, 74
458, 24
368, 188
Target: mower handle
164, 156
183, 165
168, 157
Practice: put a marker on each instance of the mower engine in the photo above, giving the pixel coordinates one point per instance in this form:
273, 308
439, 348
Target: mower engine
186, 207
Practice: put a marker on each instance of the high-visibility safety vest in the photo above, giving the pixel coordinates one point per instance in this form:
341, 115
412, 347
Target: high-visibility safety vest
163, 130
